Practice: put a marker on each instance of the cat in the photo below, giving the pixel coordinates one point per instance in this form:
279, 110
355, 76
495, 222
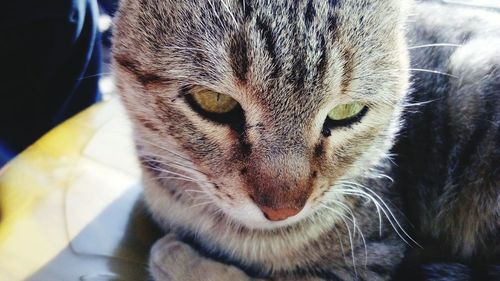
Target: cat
315, 140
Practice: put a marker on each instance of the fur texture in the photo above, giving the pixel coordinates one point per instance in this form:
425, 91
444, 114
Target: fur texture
288, 63
452, 192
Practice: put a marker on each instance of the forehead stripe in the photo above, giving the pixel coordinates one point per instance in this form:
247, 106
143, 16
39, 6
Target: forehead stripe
270, 41
239, 60
322, 62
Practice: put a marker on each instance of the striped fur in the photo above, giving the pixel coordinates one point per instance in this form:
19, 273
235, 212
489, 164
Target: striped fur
288, 63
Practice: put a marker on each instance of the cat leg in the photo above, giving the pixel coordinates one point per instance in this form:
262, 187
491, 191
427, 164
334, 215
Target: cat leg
173, 260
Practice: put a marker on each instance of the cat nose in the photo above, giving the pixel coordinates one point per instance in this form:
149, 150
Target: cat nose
278, 214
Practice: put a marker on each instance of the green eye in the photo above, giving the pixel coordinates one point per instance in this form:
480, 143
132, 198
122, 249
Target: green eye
213, 102
215, 107
346, 111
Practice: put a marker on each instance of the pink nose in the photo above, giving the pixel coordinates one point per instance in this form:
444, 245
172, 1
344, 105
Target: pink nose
278, 214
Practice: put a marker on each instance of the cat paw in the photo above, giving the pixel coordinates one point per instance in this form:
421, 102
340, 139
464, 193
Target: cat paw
166, 259
173, 260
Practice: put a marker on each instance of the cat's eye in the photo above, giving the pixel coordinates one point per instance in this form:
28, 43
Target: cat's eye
213, 102
216, 107
345, 111
344, 115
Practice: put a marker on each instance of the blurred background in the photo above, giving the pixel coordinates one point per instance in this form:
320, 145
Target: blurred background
55, 60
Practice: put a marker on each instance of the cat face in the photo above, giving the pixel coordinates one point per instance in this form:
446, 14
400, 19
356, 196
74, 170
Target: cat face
265, 104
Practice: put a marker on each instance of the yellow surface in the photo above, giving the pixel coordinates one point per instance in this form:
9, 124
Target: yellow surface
70, 204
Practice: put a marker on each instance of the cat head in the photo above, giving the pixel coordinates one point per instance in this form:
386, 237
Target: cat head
267, 105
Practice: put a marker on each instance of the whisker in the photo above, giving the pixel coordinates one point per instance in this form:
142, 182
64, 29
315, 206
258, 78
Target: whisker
340, 241
355, 227
175, 178
170, 163
341, 216
195, 194
195, 191
162, 148
409, 69
229, 11
94, 75
200, 204
183, 48
215, 13
416, 104
377, 207
161, 170
384, 207
433, 71
376, 173
434, 45
363, 194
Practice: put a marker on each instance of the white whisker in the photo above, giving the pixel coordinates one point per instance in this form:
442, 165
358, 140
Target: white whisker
380, 175
342, 217
340, 241
433, 71
95, 75
195, 191
215, 13
371, 199
162, 148
229, 11
364, 194
184, 48
383, 206
161, 170
434, 45
175, 178
200, 204
170, 163
355, 227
